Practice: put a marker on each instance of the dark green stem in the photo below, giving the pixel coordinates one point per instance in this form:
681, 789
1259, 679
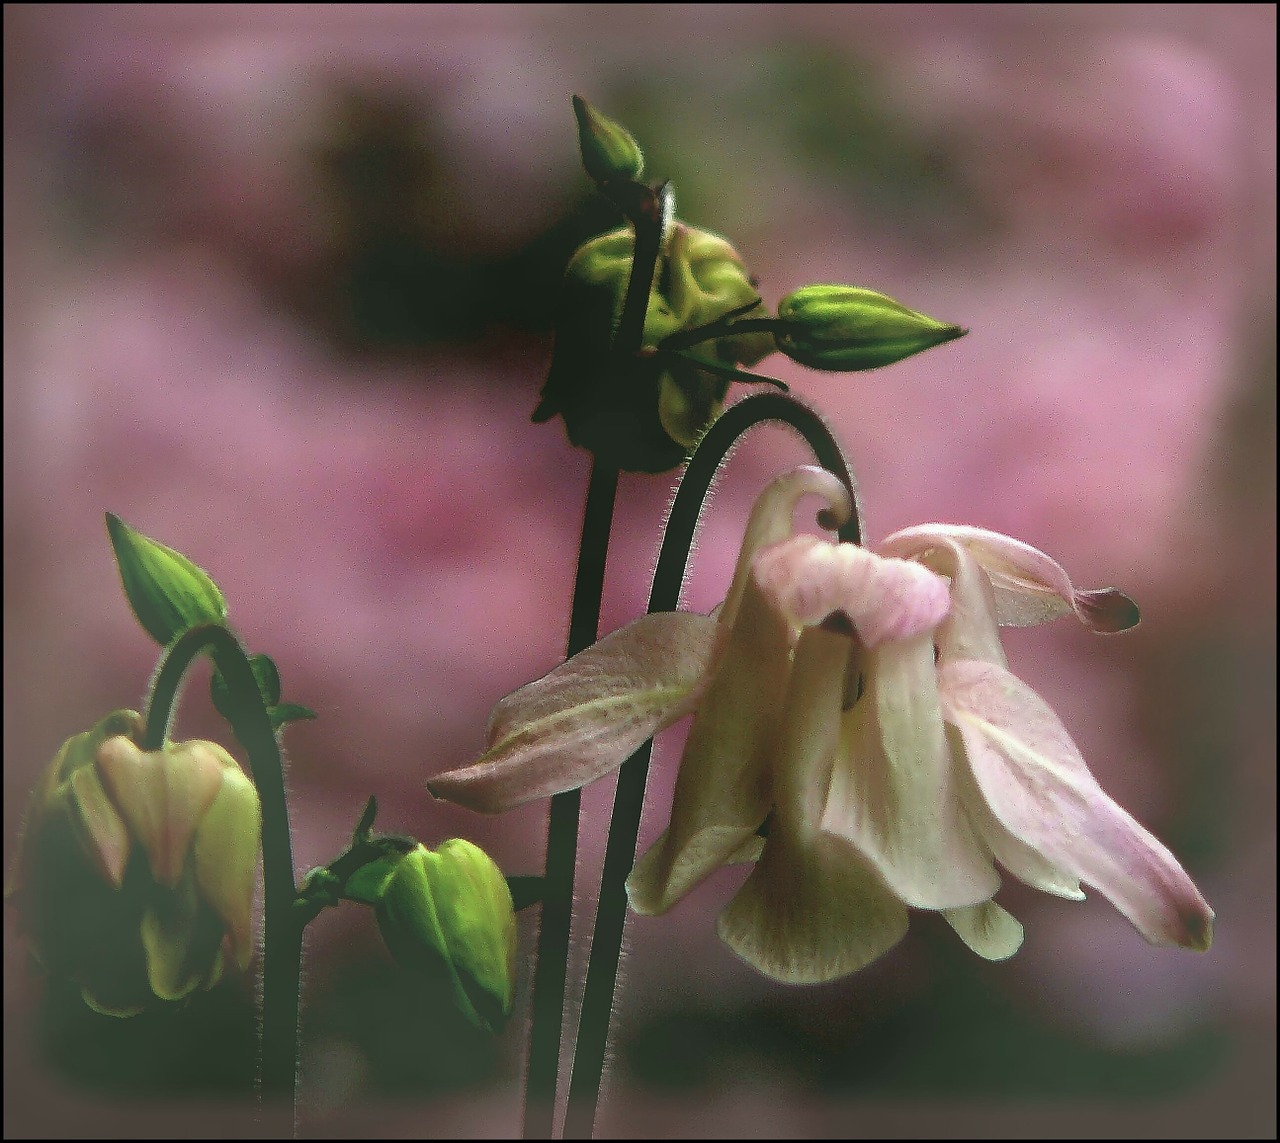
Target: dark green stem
650, 214
282, 931
562, 831
628, 802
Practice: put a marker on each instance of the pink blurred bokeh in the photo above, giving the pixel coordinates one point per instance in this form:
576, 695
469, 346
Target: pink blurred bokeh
393, 530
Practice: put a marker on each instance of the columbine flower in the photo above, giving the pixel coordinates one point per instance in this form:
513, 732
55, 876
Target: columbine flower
860, 703
135, 867
583, 719
1027, 788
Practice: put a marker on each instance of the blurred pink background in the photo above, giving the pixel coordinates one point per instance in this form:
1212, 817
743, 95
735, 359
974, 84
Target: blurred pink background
277, 286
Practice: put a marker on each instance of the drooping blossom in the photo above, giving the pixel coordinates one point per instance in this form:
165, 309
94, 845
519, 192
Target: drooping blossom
854, 708
134, 876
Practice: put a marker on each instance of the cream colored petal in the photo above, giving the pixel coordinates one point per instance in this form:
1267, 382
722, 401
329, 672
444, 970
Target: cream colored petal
587, 716
722, 791
893, 790
987, 929
1030, 587
812, 910
809, 579
772, 520
1039, 788
182, 942
807, 915
161, 795
226, 859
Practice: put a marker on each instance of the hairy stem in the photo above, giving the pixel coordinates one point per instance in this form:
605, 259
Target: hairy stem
282, 931
628, 802
650, 214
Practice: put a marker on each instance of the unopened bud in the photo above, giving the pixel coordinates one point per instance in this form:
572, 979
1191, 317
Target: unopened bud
645, 416
447, 916
849, 328
608, 150
167, 592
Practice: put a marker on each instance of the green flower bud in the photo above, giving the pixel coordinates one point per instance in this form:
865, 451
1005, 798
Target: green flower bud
644, 416
167, 592
447, 917
608, 150
135, 871
848, 328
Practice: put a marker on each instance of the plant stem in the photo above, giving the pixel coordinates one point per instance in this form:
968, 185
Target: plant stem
562, 830
628, 802
282, 930
650, 214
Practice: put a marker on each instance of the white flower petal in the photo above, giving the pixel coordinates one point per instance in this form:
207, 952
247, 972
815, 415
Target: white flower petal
972, 629
586, 717
989, 930
1039, 788
893, 791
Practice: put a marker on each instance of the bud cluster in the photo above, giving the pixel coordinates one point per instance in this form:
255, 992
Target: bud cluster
704, 320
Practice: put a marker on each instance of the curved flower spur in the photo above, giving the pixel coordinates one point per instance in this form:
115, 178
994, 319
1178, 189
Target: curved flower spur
858, 702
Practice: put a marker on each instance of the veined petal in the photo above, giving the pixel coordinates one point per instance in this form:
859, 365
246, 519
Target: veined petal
893, 791
811, 910
1028, 865
811, 914
772, 520
1039, 788
722, 791
990, 931
1030, 587
585, 718
162, 795
884, 599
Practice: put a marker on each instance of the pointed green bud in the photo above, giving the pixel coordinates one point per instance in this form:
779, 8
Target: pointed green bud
167, 592
447, 917
849, 328
608, 150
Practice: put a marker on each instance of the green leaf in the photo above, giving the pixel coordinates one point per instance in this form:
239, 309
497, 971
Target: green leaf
167, 592
268, 679
289, 712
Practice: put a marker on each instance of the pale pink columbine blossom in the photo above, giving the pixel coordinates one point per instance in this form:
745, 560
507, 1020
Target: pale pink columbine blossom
859, 703
1027, 789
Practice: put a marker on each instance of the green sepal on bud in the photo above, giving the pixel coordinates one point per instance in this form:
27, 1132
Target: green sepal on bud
447, 917
843, 329
608, 150
167, 592
645, 415
267, 677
